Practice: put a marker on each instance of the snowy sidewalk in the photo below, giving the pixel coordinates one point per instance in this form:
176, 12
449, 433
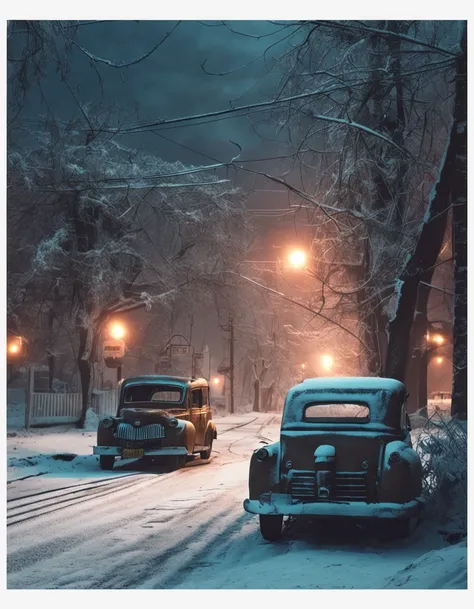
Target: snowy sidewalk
45, 450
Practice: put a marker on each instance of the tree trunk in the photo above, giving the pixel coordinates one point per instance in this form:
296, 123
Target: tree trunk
430, 240
85, 373
459, 198
51, 367
416, 374
256, 395
423, 385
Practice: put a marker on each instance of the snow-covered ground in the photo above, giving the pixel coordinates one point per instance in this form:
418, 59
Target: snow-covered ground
71, 525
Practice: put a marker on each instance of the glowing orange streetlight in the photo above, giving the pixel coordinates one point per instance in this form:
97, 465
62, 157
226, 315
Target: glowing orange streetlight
117, 330
14, 348
327, 362
438, 339
216, 380
439, 360
297, 259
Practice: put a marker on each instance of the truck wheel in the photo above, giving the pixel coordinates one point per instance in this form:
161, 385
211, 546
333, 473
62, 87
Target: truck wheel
177, 462
391, 530
206, 454
106, 462
270, 527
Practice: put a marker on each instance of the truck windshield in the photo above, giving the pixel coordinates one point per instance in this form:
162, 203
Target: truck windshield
168, 394
343, 413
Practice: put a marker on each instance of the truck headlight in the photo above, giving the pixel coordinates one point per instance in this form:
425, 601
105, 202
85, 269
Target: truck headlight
262, 454
107, 422
173, 422
394, 457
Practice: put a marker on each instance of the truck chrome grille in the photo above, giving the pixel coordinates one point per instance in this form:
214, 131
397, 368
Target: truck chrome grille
349, 486
303, 485
128, 432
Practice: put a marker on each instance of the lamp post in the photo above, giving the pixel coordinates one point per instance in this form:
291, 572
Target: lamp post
114, 349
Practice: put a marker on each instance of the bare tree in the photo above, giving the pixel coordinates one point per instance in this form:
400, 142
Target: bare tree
122, 230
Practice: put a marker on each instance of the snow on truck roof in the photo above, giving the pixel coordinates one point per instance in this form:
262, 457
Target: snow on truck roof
383, 396
164, 378
337, 383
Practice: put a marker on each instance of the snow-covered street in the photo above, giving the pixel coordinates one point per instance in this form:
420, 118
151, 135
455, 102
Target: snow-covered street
76, 526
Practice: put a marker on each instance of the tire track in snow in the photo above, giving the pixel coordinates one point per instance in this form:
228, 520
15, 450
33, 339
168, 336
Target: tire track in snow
71, 486
20, 559
176, 558
120, 543
41, 510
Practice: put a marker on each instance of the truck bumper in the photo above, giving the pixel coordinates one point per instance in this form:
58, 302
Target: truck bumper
117, 451
280, 504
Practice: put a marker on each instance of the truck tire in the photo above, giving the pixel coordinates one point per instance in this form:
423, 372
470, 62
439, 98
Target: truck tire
391, 530
270, 527
206, 454
106, 462
177, 462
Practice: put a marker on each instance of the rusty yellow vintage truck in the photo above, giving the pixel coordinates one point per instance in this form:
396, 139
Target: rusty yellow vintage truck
158, 416
345, 451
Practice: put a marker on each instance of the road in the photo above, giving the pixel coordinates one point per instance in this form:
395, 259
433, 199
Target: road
145, 528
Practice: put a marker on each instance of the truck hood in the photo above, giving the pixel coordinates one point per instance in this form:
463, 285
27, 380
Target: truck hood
144, 416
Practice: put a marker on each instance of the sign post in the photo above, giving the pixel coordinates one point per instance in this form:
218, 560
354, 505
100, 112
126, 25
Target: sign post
114, 350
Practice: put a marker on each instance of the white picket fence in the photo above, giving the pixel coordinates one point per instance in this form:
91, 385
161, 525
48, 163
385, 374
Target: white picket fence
105, 402
51, 408
56, 408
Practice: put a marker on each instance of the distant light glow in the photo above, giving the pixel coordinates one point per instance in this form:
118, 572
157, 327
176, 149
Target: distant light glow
297, 259
439, 360
438, 339
303, 366
14, 348
117, 331
327, 362
216, 380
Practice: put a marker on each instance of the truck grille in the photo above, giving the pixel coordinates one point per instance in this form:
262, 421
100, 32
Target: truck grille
303, 485
129, 433
349, 486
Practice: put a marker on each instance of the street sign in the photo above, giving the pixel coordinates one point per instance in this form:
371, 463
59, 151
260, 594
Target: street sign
113, 362
114, 349
180, 350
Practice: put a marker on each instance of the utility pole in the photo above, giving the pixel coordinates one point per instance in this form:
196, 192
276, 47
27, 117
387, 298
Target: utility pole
231, 340
230, 370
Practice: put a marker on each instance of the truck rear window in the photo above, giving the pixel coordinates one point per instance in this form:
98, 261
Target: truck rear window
337, 412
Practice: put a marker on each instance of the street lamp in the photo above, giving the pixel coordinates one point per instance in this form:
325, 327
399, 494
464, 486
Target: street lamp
216, 380
439, 360
14, 348
439, 339
327, 362
117, 330
297, 259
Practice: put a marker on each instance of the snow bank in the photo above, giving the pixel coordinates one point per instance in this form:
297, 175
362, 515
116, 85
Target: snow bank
46, 450
15, 408
92, 420
443, 450
438, 569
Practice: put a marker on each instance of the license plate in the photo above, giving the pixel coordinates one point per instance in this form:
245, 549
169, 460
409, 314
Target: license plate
132, 453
